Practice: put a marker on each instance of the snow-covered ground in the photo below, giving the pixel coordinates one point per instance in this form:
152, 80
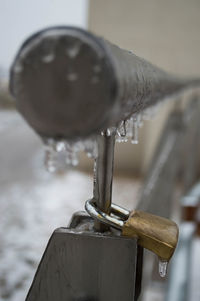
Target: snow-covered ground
33, 203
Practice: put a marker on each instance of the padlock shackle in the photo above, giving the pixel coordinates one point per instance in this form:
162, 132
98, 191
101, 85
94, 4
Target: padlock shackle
116, 218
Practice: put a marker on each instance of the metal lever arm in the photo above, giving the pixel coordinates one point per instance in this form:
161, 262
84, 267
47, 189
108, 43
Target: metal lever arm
103, 175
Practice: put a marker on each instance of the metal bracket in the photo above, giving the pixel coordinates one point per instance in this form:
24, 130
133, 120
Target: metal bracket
82, 265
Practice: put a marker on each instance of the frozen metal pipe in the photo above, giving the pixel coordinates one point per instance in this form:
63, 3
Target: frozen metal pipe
103, 175
69, 83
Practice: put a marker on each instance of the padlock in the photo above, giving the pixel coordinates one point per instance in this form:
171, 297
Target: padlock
80, 264
155, 233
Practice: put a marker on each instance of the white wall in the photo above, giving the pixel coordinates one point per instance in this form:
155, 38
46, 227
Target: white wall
20, 18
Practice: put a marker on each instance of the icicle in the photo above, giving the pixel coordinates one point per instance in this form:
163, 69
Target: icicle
95, 173
135, 125
163, 264
122, 132
68, 150
110, 131
50, 161
134, 139
72, 158
139, 120
60, 146
48, 58
90, 147
71, 154
73, 51
127, 128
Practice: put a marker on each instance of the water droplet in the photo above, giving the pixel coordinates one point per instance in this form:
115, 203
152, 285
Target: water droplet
95, 150
60, 146
129, 128
73, 51
122, 132
97, 68
71, 157
74, 159
59, 154
89, 155
50, 161
162, 268
134, 139
94, 174
72, 150
48, 58
51, 168
53, 159
108, 132
136, 123
90, 147
121, 139
72, 77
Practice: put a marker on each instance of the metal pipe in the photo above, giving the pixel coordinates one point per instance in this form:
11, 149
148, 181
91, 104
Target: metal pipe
104, 175
69, 83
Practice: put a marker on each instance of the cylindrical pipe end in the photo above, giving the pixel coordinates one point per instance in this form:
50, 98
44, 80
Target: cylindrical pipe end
64, 83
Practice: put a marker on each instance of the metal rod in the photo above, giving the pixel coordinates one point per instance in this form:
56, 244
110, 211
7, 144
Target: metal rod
104, 175
69, 83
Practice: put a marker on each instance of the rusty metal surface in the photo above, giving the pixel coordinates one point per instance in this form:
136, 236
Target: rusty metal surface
70, 83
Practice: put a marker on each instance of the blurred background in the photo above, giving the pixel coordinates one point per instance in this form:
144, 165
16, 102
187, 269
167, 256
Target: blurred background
32, 201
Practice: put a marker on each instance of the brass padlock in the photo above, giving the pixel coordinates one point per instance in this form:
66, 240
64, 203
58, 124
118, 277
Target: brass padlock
155, 233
